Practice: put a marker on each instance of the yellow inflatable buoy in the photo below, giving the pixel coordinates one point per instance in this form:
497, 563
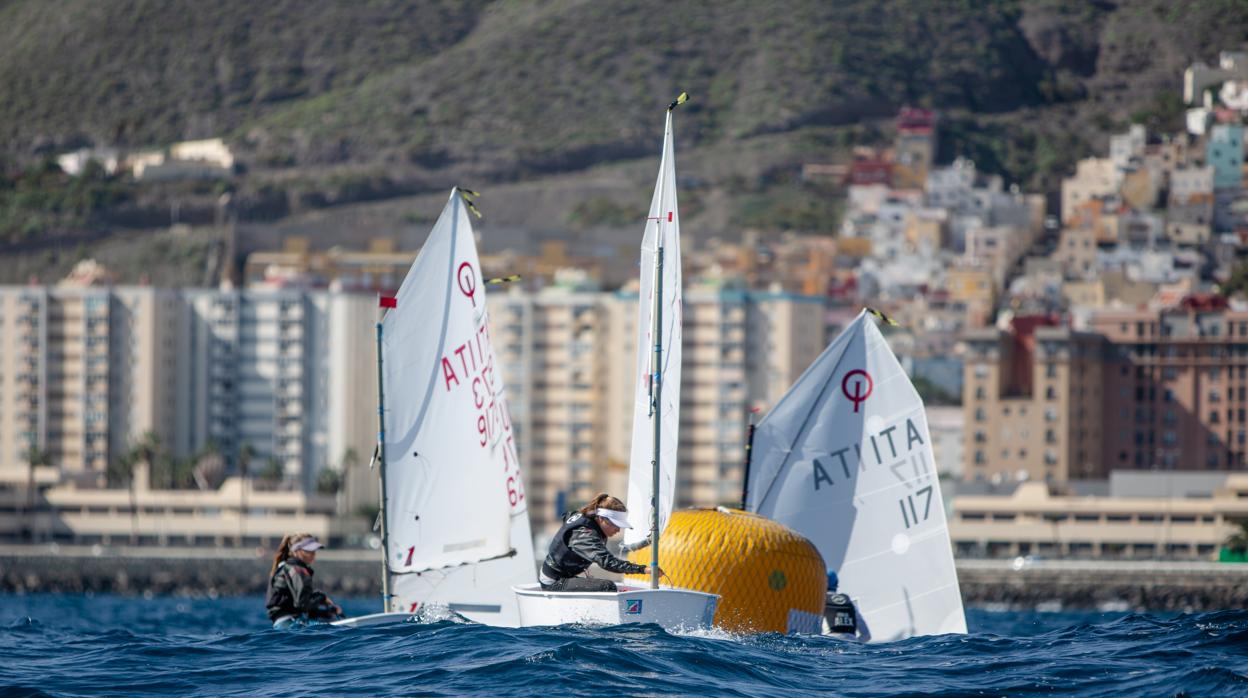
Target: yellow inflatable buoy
770, 578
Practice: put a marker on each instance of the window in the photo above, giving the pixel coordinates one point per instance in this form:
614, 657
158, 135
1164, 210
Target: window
1050, 370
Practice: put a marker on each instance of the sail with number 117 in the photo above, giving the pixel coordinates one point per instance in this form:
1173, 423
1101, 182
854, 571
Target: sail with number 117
845, 458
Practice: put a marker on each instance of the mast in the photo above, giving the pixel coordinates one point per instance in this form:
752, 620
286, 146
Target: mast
656, 369
656, 401
381, 452
749, 453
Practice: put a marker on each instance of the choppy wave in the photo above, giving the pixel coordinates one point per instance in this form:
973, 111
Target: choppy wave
61, 645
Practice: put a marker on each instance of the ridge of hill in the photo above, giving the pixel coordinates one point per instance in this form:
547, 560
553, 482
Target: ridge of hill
330, 103
509, 89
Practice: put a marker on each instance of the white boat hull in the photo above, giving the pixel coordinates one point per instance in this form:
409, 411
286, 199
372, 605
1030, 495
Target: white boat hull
373, 619
673, 609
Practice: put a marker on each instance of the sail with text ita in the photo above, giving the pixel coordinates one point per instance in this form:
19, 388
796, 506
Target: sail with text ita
845, 458
662, 236
456, 518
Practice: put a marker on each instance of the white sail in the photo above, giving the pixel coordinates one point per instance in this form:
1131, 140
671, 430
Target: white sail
456, 516
662, 229
845, 458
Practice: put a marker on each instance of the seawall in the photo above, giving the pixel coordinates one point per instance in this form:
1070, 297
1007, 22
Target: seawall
188, 571
1159, 586
1137, 585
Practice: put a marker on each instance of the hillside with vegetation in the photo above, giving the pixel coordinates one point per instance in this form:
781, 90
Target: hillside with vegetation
333, 103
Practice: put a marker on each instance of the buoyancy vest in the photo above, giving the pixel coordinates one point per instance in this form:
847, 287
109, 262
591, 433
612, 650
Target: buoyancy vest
561, 561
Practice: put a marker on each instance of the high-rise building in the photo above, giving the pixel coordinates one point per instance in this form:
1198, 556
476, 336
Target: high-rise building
570, 361
1161, 389
551, 348
286, 380
1176, 386
86, 373
1031, 400
83, 373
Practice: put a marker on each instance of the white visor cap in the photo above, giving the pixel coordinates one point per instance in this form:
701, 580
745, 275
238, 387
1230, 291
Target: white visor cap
619, 518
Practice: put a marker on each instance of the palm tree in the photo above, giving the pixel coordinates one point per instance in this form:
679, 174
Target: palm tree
35, 456
245, 454
147, 450
121, 470
350, 459
273, 473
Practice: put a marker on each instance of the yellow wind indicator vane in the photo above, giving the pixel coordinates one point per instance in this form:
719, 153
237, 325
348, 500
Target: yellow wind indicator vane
468, 195
884, 318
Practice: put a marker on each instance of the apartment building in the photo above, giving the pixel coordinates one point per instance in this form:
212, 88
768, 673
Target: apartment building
569, 358
286, 379
1031, 399
1094, 177
553, 352
1140, 389
1176, 386
85, 372
285, 376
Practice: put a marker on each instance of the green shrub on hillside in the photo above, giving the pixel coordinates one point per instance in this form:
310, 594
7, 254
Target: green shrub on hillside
44, 199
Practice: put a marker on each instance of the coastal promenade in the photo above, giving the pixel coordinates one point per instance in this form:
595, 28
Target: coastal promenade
202, 571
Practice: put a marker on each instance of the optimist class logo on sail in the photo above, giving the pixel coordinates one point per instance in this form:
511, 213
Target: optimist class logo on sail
468, 368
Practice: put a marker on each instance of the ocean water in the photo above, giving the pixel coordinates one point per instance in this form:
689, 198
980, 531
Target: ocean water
117, 645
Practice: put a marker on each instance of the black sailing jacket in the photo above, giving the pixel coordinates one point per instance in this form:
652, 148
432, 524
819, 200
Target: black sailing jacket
580, 543
291, 594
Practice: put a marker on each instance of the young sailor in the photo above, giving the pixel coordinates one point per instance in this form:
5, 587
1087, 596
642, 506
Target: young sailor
292, 599
582, 541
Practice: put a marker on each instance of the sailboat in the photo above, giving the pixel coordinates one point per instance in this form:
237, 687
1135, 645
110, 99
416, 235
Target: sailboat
845, 458
455, 524
656, 418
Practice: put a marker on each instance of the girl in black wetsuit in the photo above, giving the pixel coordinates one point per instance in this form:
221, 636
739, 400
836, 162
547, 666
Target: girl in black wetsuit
582, 541
291, 598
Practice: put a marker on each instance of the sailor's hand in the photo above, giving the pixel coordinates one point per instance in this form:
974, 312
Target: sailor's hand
650, 569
